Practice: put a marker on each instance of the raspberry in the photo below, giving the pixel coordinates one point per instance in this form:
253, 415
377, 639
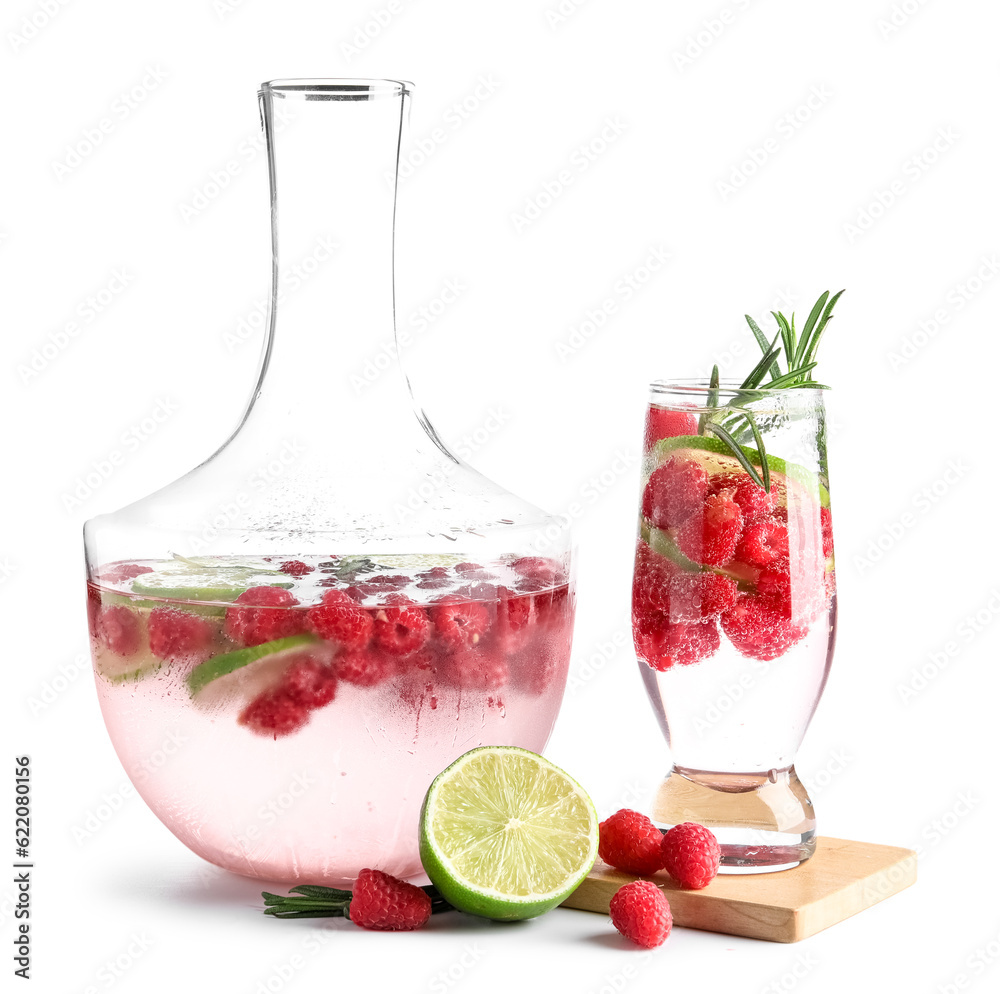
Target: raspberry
295, 567
274, 713
753, 501
460, 623
710, 536
794, 592
641, 912
763, 543
674, 491
463, 568
537, 667
696, 596
122, 572
826, 521
548, 571
118, 628
663, 423
690, 854
388, 904
476, 669
436, 572
364, 667
651, 579
266, 618
513, 619
339, 618
310, 683
631, 842
401, 627
178, 635
661, 644
760, 628
395, 582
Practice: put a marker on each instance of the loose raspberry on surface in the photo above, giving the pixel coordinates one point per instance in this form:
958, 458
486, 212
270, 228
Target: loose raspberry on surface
274, 713
662, 423
310, 682
691, 854
119, 629
459, 623
364, 667
674, 492
339, 618
387, 904
641, 912
709, 536
760, 628
631, 842
295, 567
263, 615
401, 627
179, 636
753, 501
662, 644
763, 543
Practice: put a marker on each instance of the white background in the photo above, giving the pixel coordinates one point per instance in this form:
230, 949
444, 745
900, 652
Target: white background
873, 126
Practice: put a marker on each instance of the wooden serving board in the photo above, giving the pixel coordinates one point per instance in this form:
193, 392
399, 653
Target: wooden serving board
839, 880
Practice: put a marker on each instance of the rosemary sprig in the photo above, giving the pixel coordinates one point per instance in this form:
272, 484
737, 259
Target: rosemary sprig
313, 901
799, 357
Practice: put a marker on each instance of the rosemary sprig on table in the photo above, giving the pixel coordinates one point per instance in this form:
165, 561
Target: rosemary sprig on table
798, 352
312, 901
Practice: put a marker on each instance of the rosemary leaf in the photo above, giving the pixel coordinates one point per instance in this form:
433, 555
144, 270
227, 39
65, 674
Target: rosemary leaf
736, 450
823, 322
789, 379
757, 374
807, 331
762, 342
764, 468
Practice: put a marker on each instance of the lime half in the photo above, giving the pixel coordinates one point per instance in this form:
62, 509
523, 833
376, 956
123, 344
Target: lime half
505, 834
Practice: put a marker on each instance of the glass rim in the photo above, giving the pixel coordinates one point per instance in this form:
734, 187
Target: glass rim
336, 88
687, 386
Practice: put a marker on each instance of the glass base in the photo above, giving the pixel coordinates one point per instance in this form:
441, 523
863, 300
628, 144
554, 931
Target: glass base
764, 821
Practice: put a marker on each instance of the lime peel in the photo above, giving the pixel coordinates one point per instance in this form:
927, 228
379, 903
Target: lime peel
228, 662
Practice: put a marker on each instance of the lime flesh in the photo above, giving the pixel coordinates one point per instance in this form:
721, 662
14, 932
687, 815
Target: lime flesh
505, 834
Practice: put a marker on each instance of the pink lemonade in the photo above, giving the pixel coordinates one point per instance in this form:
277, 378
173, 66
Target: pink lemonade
733, 601
284, 718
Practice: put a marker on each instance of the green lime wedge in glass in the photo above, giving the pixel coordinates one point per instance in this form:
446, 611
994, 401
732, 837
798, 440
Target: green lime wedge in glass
126, 669
228, 662
505, 834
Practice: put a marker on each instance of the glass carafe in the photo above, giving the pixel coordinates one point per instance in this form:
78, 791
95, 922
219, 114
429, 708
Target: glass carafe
318, 619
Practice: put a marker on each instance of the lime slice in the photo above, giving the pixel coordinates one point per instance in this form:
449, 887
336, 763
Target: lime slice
716, 457
125, 669
211, 580
227, 662
505, 834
